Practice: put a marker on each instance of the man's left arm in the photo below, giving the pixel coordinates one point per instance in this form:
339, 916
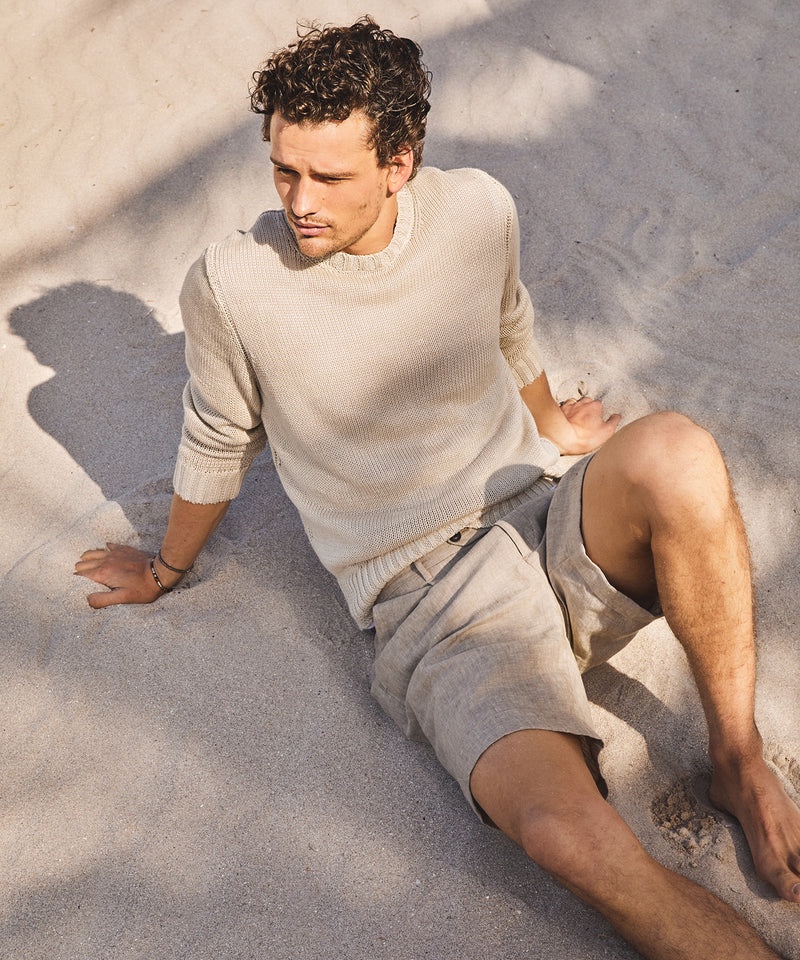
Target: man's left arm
576, 426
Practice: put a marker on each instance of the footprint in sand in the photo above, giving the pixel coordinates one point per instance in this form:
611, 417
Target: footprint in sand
686, 821
785, 764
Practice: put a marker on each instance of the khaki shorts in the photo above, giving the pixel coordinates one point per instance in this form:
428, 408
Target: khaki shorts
490, 634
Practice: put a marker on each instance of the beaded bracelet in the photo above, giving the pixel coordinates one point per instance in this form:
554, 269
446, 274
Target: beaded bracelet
159, 584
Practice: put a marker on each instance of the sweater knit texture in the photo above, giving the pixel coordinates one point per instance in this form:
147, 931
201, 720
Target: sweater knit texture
387, 384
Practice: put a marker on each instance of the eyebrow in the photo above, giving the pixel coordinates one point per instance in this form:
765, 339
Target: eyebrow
324, 174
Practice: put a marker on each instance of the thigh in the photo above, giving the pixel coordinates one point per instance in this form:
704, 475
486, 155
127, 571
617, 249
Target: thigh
614, 536
601, 618
638, 478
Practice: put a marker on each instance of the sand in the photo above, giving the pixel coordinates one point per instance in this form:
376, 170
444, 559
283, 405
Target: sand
208, 777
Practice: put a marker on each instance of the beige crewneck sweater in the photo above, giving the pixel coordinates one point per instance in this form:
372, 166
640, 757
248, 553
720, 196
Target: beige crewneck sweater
388, 384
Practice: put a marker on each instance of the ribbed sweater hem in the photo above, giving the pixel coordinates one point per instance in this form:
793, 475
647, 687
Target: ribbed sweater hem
362, 584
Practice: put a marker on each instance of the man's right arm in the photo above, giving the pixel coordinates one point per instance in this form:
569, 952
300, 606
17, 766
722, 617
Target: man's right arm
127, 571
223, 433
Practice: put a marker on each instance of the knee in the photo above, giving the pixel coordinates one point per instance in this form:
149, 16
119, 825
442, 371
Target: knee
672, 460
672, 443
585, 851
553, 841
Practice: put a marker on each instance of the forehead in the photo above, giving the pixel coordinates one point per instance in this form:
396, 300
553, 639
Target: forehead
328, 145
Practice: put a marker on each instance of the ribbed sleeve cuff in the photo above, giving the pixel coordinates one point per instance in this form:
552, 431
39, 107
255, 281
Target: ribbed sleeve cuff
204, 487
527, 368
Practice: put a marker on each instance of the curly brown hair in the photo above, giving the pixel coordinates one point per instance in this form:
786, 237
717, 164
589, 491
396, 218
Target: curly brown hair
331, 71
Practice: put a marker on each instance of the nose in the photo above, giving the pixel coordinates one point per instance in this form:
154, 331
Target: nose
305, 198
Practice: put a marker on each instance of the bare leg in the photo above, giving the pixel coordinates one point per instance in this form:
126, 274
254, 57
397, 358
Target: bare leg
536, 787
659, 517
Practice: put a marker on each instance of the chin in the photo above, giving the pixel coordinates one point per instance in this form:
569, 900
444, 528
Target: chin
316, 248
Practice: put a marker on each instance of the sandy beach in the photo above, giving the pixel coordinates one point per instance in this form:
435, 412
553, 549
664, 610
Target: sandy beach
208, 776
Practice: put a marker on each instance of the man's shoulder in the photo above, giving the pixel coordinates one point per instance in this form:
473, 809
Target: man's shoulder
268, 234
241, 255
262, 250
464, 180
474, 191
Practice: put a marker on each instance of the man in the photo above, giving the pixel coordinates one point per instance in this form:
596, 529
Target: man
375, 333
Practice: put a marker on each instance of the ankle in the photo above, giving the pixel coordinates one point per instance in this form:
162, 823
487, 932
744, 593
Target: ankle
732, 756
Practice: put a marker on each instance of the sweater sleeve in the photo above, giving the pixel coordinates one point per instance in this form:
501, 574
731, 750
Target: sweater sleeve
516, 320
222, 429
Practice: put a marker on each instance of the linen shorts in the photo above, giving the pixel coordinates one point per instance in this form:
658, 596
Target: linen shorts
490, 634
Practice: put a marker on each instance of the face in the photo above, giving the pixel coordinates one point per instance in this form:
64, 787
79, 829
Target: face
335, 195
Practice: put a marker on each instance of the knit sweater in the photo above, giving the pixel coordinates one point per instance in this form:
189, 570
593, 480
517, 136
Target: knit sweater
387, 384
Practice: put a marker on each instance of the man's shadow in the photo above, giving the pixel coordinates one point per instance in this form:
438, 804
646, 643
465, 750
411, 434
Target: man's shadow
114, 401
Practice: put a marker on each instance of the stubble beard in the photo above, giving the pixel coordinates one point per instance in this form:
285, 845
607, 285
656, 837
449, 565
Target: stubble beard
328, 243
331, 240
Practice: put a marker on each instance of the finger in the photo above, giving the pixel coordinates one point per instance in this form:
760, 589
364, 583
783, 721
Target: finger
91, 569
124, 551
583, 410
96, 554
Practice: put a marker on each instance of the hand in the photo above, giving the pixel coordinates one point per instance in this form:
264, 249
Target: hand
124, 570
576, 427
591, 429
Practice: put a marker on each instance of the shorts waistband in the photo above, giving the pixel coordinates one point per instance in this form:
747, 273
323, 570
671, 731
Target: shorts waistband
425, 568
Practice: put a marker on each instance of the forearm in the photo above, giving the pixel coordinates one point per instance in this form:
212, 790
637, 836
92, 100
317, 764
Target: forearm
189, 527
550, 420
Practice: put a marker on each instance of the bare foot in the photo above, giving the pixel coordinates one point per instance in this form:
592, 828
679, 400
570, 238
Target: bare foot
771, 822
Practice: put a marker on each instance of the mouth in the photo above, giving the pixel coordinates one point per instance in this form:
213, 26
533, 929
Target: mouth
309, 229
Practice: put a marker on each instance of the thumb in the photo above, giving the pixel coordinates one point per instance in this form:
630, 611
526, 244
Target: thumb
108, 598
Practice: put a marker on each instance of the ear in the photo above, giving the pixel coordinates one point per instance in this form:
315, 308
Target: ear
400, 167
